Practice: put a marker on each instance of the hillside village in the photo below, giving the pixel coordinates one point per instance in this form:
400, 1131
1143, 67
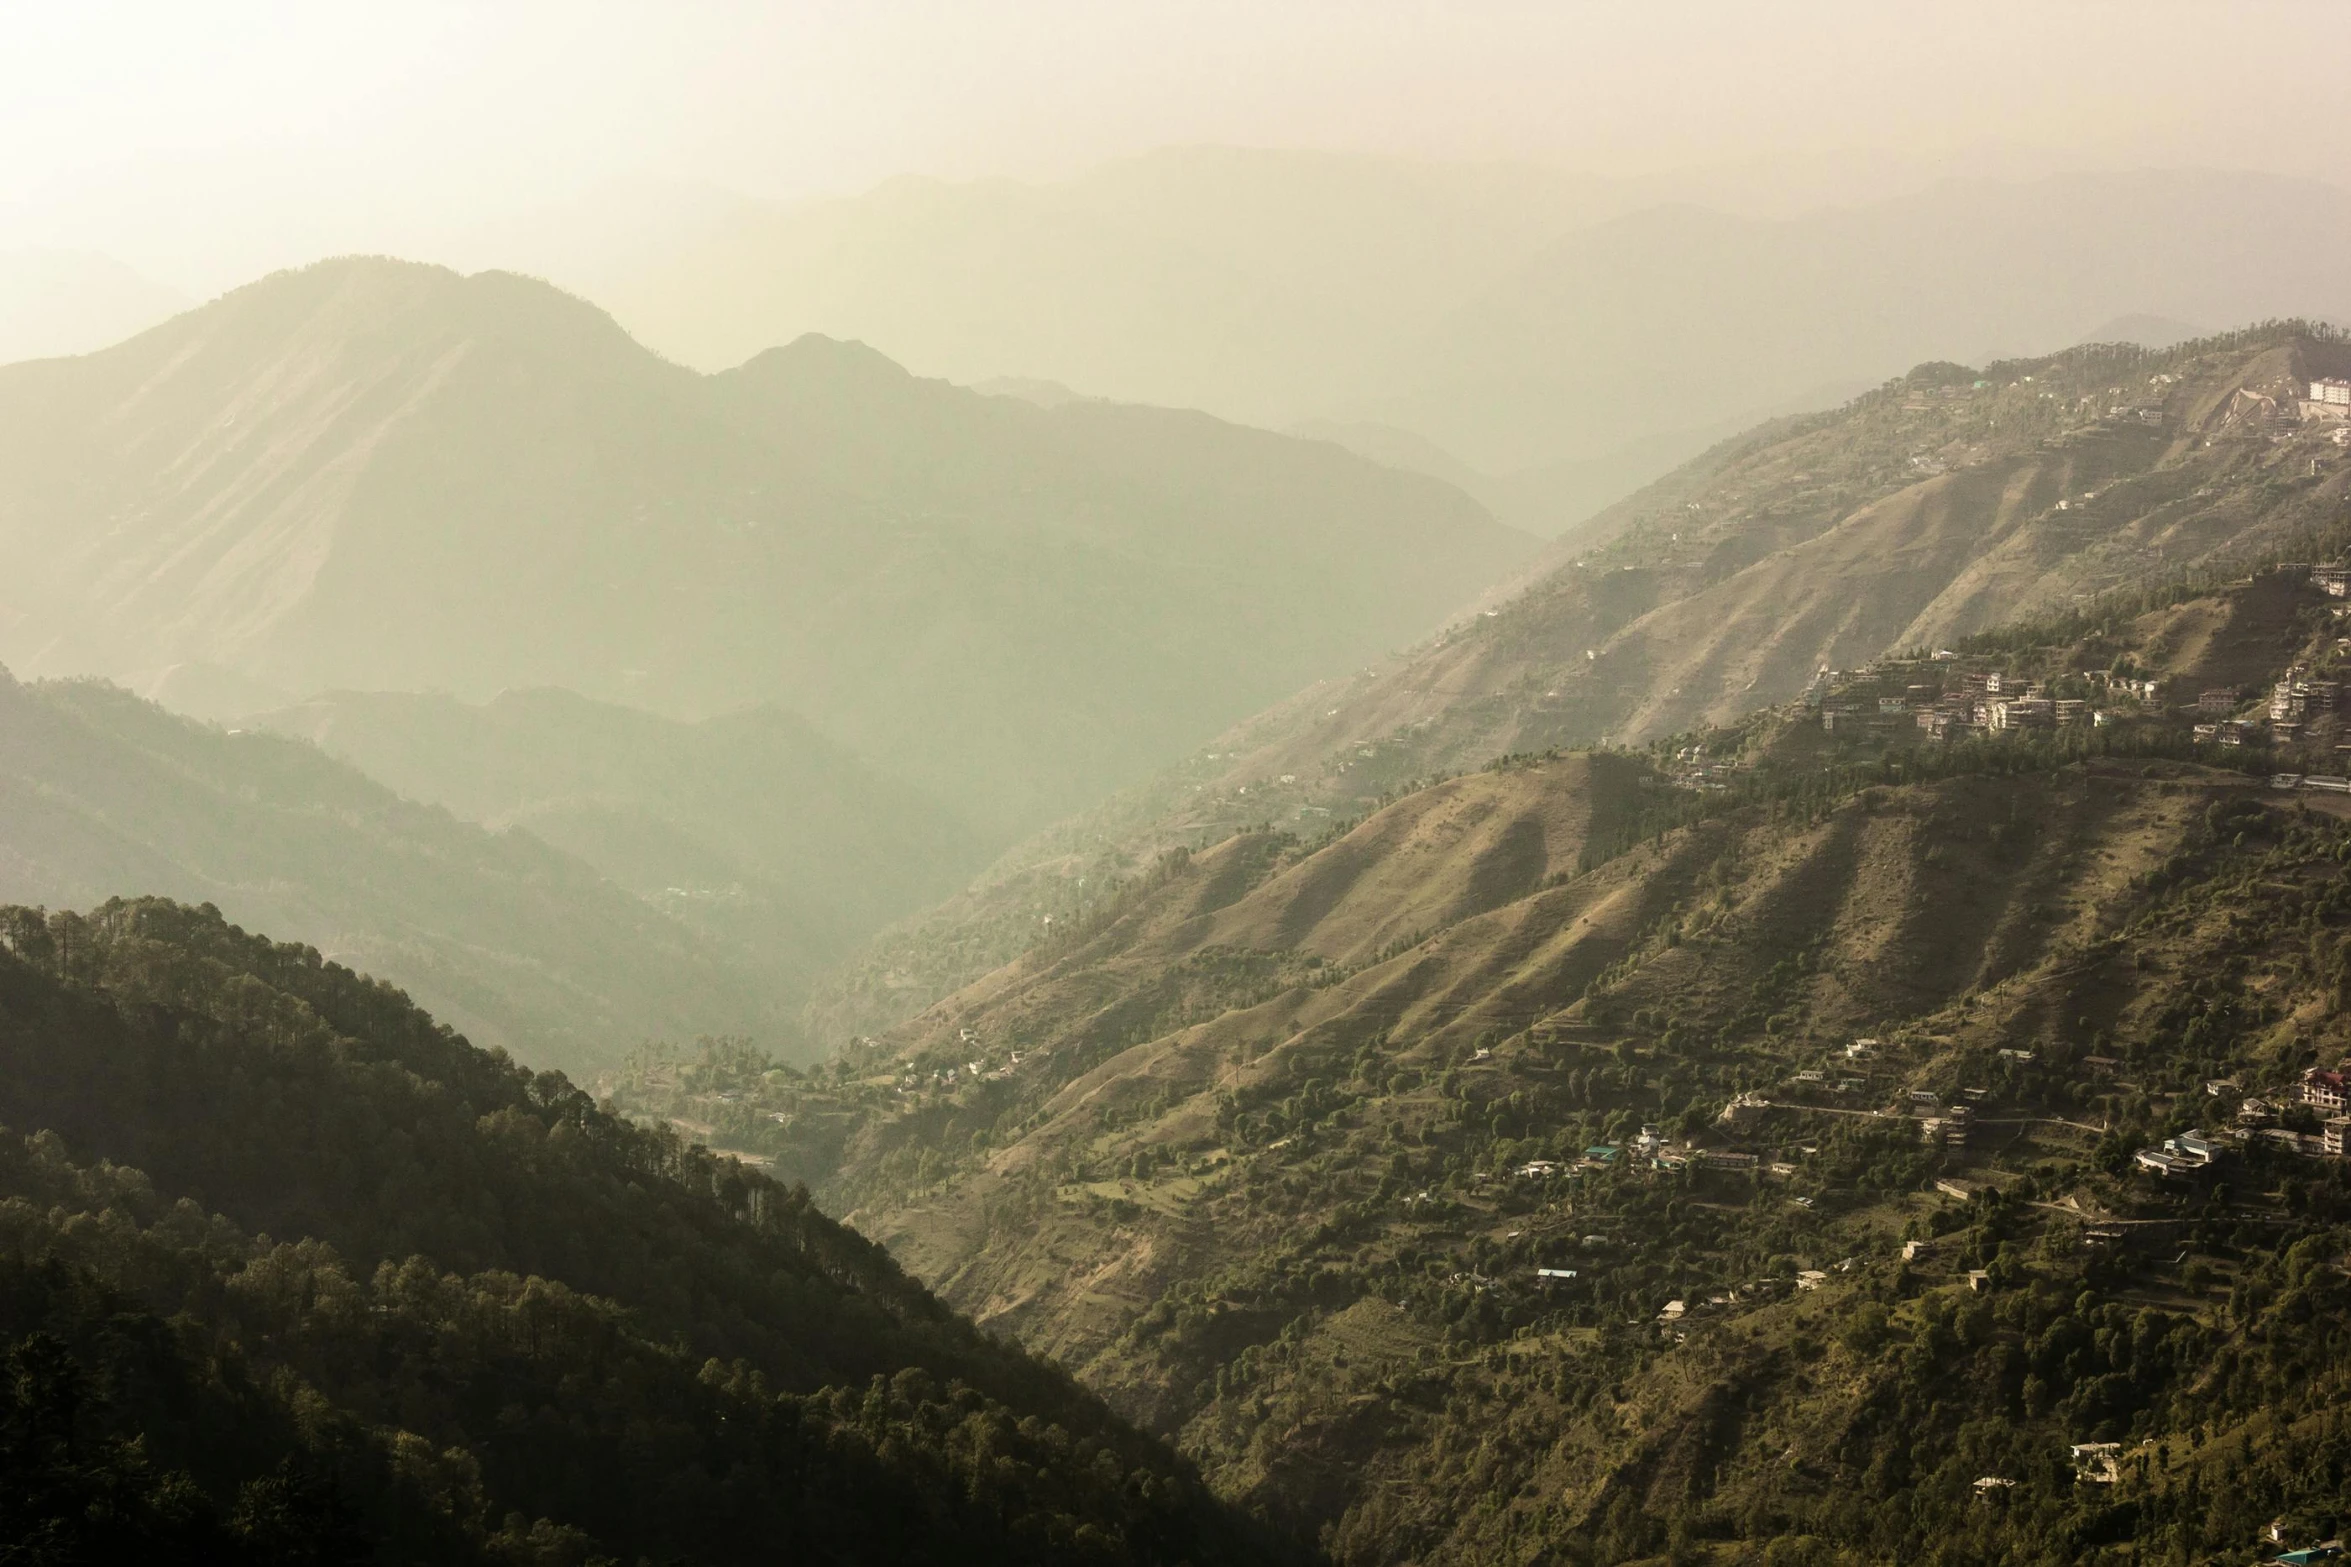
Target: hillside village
1947, 696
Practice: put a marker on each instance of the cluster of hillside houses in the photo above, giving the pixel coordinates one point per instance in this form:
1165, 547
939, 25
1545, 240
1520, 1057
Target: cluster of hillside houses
2324, 1090
1944, 701
1944, 1124
1994, 703
1650, 1150
1988, 701
2326, 403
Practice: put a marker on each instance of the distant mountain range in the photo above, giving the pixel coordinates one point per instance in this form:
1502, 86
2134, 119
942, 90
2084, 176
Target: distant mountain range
750, 827
1570, 336
1680, 317
1563, 338
376, 475
1261, 285
56, 302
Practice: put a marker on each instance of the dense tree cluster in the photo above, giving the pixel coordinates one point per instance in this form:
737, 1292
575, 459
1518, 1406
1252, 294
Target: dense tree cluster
289, 1272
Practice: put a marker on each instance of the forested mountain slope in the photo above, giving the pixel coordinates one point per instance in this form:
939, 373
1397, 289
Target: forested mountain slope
749, 826
293, 1273
530, 948
1280, 1184
1939, 505
375, 475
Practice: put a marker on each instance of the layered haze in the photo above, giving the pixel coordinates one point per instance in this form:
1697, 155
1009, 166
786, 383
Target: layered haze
1545, 340
380, 475
1342, 784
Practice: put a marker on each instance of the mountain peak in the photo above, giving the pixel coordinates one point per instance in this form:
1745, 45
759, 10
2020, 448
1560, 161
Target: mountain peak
812, 356
385, 301
379, 475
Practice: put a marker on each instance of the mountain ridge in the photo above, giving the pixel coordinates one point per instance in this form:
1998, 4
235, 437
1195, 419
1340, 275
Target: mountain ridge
377, 475
1940, 504
1521, 319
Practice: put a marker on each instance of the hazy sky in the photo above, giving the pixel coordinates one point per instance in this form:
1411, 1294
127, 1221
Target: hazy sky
204, 142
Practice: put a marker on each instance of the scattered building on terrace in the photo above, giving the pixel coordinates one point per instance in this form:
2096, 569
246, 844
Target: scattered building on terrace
2097, 1462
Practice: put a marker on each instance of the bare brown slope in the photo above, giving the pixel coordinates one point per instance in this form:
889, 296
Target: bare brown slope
1898, 937
1439, 856
1126, 1184
1431, 860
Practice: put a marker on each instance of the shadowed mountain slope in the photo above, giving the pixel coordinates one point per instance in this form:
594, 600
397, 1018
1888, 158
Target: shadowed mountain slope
530, 948
295, 1273
374, 475
750, 826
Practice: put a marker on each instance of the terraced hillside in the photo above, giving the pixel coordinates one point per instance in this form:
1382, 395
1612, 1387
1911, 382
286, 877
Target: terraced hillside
1569, 1220
1944, 504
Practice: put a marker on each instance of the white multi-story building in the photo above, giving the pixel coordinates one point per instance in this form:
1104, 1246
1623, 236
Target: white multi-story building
2330, 398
